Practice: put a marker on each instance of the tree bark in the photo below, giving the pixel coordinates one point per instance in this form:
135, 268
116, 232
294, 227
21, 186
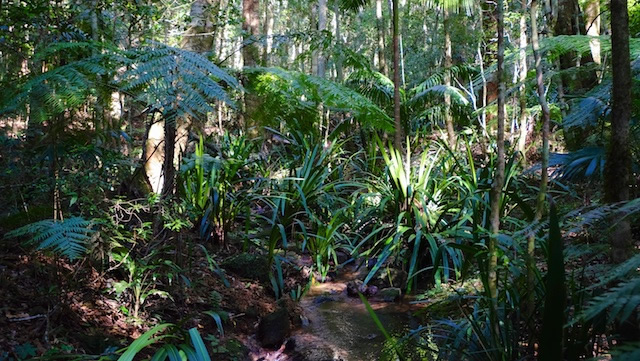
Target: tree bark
250, 29
592, 22
380, 25
569, 21
544, 179
338, 59
619, 155
322, 26
451, 135
250, 57
163, 155
268, 33
522, 140
399, 132
498, 177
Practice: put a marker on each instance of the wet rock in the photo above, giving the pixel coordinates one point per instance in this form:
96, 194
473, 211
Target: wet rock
293, 309
305, 349
390, 294
274, 328
371, 290
355, 287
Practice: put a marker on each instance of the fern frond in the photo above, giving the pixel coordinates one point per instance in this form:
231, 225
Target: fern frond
177, 82
68, 238
299, 94
618, 302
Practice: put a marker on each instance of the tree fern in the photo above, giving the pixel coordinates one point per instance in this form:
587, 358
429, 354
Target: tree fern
290, 95
68, 238
176, 82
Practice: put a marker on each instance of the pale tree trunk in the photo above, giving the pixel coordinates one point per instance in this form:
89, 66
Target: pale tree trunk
380, 25
522, 140
268, 32
616, 180
314, 24
167, 140
451, 135
592, 21
544, 178
322, 26
250, 56
399, 132
338, 60
498, 177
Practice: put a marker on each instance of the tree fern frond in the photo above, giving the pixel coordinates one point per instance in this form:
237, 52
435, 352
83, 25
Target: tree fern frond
618, 302
300, 93
68, 238
373, 85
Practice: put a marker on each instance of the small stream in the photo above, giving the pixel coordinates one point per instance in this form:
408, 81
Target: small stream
340, 328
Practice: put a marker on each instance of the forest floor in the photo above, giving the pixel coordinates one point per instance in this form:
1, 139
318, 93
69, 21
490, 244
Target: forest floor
50, 307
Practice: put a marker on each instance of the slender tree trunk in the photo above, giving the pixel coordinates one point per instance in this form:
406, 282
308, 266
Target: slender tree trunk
338, 60
322, 26
592, 22
522, 140
399, 134
498, 177
268, 32
380, 25
160, 163
95, 36
250, 29
545, 156
619, 154
250, 57
451, 135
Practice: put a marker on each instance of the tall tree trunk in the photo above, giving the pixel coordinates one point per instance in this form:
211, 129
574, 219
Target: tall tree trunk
545, 156
592, 22
163, 155
451, 135
250, 30
522, 140
268, 33
619, 154
569, 21
338, 59
100, 99
322, 26
399, 134
250, 57
498, 177
380, 25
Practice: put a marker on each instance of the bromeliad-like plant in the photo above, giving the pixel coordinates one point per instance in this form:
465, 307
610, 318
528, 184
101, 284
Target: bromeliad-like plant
196, 351
213, 185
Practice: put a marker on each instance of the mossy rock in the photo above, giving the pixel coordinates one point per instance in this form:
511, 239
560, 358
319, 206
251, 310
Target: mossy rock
246, 265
